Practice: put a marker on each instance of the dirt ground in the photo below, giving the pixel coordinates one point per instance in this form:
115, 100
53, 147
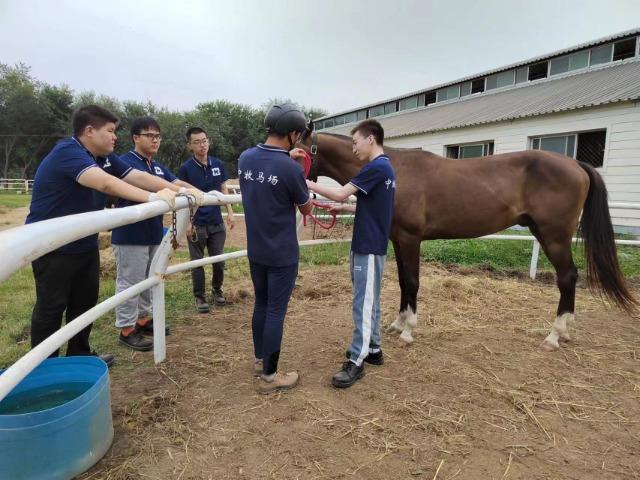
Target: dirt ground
472, 398
12, 217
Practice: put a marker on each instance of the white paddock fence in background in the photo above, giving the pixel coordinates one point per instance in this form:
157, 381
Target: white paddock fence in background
20, 185
21, 245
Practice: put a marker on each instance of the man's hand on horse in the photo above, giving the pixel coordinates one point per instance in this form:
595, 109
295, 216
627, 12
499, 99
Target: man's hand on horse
297, 154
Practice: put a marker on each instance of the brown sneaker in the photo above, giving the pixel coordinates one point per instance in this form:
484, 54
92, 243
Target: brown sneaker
257, 367
279, 382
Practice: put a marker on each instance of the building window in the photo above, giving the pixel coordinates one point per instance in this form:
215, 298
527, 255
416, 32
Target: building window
499, 80
465, 89
318, 125
470, 150
601, 54
390, 107
477, 86
351, 117
567, 63
408, 103
339, 120
362, 115
376, 111
429, 98
538, 70
587, 147
448, 93
624, 49
522, 74
328, 123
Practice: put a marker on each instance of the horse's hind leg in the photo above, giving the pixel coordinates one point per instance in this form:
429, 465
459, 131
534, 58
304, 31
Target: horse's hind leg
408, 260
557, 246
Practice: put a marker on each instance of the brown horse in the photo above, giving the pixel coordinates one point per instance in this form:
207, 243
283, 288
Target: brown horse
440, 198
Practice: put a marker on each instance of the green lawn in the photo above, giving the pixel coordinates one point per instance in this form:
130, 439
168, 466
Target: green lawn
14, 200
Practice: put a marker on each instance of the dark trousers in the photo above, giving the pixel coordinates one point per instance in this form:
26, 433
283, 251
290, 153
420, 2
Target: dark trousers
64, 282
273, 287
211, 238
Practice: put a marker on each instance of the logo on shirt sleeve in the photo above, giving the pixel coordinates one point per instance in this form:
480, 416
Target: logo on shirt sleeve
107, 163
390, 183
216, 171
158, 170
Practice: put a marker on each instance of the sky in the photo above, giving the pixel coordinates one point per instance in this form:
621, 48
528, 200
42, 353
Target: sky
329, 54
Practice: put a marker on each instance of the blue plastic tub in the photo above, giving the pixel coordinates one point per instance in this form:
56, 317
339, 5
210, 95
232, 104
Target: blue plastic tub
57, 422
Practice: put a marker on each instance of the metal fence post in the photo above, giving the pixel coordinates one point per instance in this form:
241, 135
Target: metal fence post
159, 267
535, 253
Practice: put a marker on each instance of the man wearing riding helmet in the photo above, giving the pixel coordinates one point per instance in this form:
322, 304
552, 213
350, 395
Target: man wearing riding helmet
273, 186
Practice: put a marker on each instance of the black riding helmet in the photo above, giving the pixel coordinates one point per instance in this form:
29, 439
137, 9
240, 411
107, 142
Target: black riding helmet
284, 119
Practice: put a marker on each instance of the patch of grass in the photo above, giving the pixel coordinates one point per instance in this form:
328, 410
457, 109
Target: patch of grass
13, 200
513, 255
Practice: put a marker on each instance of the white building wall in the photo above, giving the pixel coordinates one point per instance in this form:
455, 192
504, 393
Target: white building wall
621, 168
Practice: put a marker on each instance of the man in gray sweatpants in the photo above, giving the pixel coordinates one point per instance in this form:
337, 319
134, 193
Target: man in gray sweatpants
135, 245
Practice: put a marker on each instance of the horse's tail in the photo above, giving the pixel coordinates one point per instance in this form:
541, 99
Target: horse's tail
603, 271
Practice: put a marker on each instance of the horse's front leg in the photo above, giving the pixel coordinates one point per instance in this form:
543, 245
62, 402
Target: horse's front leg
408, 260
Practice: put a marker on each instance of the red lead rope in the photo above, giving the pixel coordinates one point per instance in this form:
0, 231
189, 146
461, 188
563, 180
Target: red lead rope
324, 206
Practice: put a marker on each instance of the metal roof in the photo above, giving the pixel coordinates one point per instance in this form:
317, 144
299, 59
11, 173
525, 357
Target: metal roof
603, 40
616, 83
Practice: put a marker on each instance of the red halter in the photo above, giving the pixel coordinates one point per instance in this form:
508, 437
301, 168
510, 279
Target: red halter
324, 206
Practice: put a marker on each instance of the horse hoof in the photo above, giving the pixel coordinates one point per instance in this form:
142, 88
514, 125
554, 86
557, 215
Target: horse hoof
565, 339
407, 338
549, 347
392, 328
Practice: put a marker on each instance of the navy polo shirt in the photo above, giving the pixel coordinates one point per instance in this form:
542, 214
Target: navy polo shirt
272, 184
56, 191
206, 178
376, 184
146, 232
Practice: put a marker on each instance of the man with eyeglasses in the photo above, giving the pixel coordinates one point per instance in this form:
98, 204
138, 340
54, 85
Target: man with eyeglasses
135, 245
208, 232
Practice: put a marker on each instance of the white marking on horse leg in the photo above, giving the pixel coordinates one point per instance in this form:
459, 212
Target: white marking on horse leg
558, 332
398, 324
411, 323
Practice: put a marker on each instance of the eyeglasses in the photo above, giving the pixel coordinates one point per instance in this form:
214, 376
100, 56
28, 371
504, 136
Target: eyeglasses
151, 136
204, 141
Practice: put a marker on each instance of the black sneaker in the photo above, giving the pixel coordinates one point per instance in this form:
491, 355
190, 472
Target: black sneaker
201, 305
147, 329
106, 358
349, 375
136, 341
218, 298
376, 359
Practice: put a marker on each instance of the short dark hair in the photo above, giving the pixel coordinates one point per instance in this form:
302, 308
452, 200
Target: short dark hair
194, 131
370, 127
91, 115
144, 123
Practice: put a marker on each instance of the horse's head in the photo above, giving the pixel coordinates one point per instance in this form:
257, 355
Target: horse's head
309, 141
331, 155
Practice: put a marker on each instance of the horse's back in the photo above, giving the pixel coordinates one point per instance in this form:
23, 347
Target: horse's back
446, 198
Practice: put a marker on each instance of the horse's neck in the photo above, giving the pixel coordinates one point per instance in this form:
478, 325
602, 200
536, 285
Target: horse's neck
339, 162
